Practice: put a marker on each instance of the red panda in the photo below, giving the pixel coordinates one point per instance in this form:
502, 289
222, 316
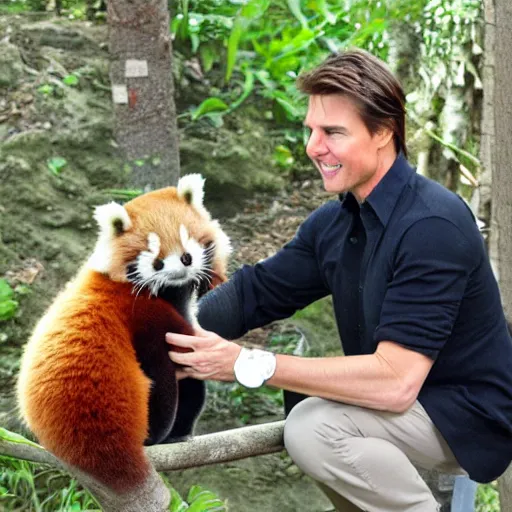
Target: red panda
95, 381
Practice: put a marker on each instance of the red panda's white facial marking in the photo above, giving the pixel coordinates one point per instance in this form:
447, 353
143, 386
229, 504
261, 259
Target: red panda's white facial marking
188, 264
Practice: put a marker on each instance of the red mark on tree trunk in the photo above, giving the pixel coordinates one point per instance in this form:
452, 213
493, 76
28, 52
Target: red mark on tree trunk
132, 97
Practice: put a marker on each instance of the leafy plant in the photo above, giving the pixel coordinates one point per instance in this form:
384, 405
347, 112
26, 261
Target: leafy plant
56, 165
71, 80
31, 487
124, 194
487, 498
8, 306
46, 89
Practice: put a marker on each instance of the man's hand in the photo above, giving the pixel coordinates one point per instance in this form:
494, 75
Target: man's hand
209, 357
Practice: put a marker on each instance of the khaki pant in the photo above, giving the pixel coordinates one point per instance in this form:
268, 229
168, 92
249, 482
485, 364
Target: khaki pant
363, 459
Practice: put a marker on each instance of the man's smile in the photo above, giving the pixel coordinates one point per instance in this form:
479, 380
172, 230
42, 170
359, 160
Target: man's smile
328, 170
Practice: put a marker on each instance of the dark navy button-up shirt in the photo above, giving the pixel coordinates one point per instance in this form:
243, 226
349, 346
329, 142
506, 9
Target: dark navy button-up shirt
408, 265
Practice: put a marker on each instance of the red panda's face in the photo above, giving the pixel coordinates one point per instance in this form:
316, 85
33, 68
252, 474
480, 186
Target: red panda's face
168, 261
163, 239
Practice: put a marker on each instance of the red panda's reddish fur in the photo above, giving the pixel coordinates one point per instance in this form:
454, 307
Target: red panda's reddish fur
81, 389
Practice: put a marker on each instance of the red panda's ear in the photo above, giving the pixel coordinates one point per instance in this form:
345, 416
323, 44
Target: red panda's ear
112, 219
191, 189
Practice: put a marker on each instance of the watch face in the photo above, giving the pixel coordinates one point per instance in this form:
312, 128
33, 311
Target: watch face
253, 367
248, 377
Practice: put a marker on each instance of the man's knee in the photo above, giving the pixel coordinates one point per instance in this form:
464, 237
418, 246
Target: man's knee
301, 433
312, 430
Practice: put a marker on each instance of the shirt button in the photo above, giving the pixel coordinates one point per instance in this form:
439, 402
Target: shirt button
353, 239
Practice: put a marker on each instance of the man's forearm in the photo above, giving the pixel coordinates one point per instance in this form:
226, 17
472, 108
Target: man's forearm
389, 379
366, 380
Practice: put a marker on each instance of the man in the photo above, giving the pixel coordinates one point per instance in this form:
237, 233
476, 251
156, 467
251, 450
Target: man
427, 372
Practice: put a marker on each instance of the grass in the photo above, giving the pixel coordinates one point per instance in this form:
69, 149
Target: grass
28, 487
487, 498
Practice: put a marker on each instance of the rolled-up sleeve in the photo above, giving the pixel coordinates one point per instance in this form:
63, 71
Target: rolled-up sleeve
432, 266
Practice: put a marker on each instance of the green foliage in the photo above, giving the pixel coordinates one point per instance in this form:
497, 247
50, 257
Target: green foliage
8, 306
13, 7
13, 437
202, 500
123, 194
46, 89
56, 165
199, 500
271, 43
209, 106
487, 498
71, 80
26, 486
73, 9
33, 488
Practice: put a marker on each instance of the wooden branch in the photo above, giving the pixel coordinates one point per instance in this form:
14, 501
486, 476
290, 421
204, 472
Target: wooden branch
225, 446
153, 495
203, 450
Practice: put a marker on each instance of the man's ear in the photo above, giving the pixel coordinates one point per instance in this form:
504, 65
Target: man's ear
383, 136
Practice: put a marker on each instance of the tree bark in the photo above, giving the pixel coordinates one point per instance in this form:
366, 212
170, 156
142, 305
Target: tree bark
497, 149
143, 91
487, 128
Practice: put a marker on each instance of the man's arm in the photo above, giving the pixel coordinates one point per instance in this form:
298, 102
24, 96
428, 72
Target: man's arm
389, 379
272, 289
432, 268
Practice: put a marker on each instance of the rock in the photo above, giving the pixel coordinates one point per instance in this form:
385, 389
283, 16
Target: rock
11, 65
57, 36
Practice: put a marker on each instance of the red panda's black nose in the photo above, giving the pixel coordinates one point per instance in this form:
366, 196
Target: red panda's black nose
186, 259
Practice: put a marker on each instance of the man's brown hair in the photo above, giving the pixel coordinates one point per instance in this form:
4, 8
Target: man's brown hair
365, 79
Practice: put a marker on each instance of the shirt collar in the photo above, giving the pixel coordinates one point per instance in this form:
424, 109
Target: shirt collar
384, 196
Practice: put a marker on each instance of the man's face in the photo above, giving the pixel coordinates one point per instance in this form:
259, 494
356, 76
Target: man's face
341, 147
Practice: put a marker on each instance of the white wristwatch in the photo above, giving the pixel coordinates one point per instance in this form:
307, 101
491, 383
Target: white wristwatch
254, 366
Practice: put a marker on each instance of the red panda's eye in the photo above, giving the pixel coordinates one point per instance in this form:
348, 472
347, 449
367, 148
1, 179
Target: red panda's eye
186, 259
158, 264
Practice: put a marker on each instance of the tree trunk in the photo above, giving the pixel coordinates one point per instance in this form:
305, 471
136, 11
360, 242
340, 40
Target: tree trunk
497, 152
487, 129
142, 90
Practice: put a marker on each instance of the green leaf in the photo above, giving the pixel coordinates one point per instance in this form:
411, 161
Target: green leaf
6, 292
248, 88
207, 106
294, 6
12, 437
291, 112
71, 80
215, 119
7, 309
46, 89
207, 54
177, 503
254, 9
56, 164
328, 15
249, 12
283, 156
123, 193
202, 500
234, 39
